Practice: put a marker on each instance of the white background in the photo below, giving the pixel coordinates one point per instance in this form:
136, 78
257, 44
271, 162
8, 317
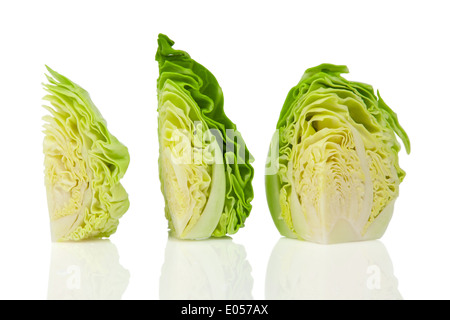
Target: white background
257, 50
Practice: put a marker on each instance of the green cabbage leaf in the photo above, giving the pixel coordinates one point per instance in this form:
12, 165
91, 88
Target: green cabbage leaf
204, 164
83, 163
333, 173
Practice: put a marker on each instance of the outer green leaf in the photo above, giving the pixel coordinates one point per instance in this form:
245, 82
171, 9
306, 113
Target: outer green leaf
83, 165
333, 172
205, 169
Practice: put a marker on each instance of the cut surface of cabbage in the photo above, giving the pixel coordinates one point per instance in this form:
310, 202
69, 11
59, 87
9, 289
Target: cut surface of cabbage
204, 165
335, 155
83, 165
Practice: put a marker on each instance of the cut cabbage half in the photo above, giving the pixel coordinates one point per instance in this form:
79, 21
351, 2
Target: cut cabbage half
204, 165
333, 174
83, 165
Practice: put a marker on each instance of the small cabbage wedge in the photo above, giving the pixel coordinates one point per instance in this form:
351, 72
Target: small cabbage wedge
204, 164
332, 173
83, 165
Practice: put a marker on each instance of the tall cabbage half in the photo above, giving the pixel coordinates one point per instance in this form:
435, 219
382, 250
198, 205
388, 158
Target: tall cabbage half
333, 174
83, 165
204, 164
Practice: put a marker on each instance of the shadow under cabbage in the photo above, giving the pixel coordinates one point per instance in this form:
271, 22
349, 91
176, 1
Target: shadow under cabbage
87, 270
347, 271
212, 269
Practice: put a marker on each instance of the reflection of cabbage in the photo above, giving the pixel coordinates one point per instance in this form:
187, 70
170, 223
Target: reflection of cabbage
335, 156
87, 270
83, 165
304, 270
204, 164
209, 269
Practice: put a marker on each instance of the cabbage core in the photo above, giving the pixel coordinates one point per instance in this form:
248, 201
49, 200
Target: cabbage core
192, 172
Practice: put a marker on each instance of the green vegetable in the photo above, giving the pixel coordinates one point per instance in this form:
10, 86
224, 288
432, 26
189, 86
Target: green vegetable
204, 164
83, 165
333, 174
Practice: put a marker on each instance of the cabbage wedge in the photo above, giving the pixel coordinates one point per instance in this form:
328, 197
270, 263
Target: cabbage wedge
83, 165
333, 173
204, 164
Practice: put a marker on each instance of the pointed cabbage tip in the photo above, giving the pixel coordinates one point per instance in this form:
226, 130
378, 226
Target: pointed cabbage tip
57, 77
165, 50
328, 68
58, 80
